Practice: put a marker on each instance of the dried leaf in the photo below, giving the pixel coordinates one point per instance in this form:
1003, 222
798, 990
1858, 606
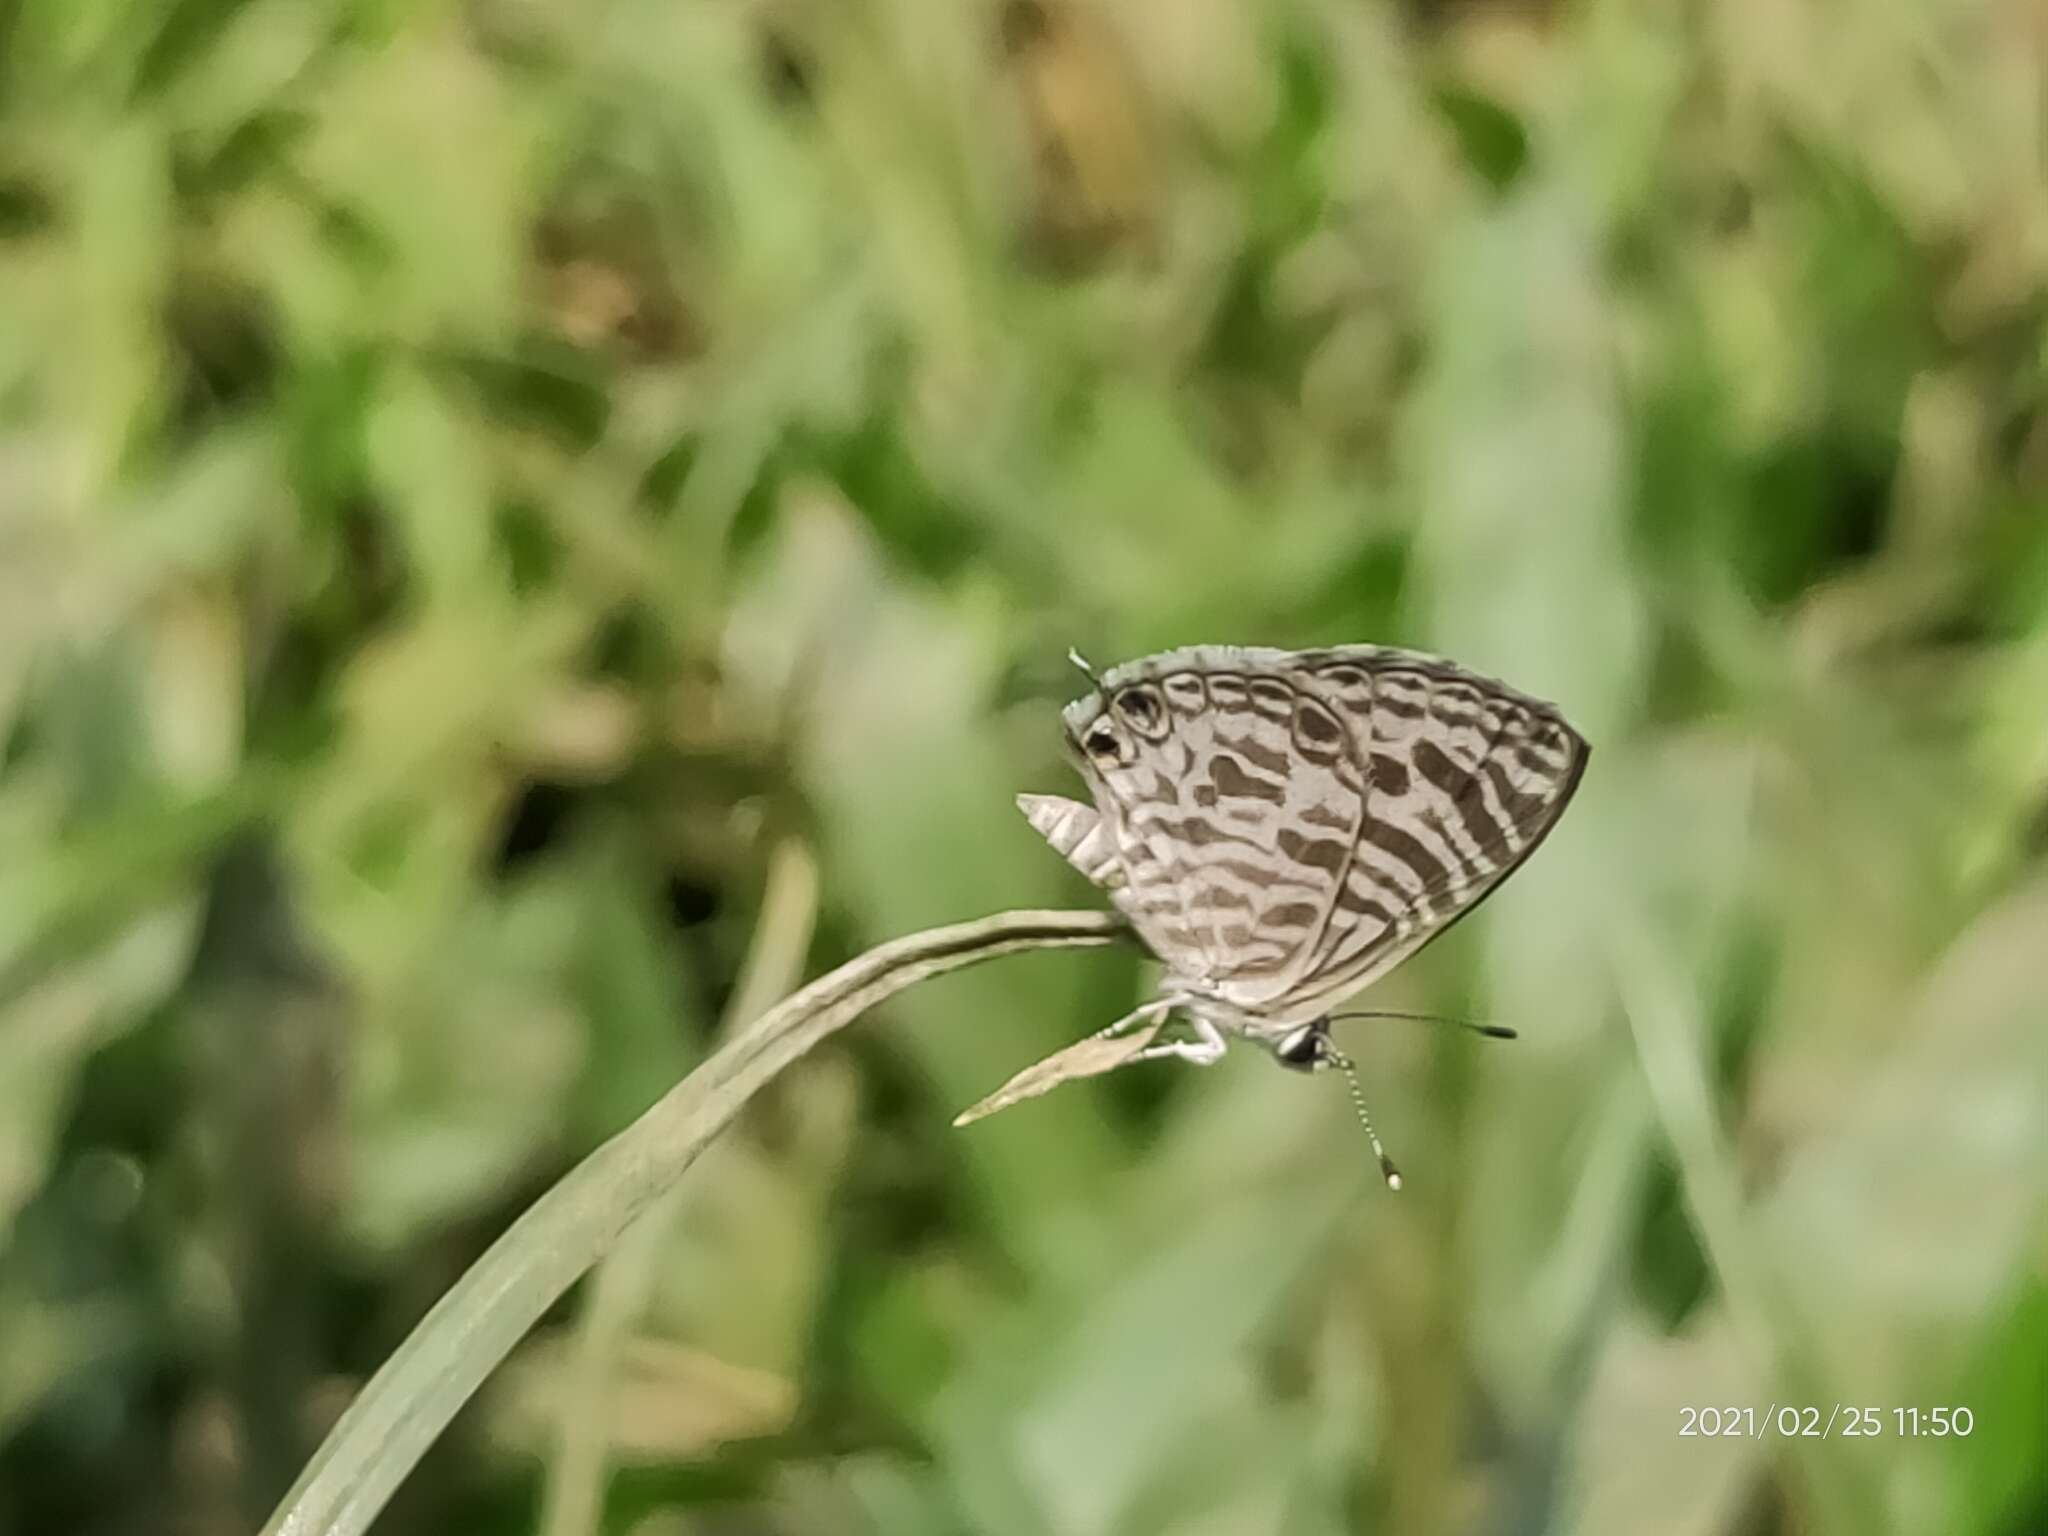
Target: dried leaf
1085, 1058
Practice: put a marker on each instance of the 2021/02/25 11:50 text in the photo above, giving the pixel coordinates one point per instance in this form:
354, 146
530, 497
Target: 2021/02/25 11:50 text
1793, 1420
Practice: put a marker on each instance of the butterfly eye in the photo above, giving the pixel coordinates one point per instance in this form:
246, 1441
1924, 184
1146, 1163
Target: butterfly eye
1303, 1049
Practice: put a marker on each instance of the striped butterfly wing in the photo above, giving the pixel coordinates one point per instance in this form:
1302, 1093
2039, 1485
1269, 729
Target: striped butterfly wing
1088, 840
1466, 777
1231, 795
1079, 835
1290, 826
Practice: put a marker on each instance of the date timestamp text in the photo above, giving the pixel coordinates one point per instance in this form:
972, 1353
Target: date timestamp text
1803, 1421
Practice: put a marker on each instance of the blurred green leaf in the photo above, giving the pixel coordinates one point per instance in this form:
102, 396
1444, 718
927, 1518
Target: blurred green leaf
1493, 142
1087, 1413
49, 1029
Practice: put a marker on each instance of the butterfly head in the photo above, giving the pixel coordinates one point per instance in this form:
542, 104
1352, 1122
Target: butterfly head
1306, 1049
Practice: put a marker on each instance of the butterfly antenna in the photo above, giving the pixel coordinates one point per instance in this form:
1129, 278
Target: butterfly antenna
1350, 1069
1081, 661
1490, 1031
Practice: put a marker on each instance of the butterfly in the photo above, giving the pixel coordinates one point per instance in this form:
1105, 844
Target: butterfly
1283, 828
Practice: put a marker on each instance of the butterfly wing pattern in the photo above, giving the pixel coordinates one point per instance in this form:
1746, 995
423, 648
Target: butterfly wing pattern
1282, 828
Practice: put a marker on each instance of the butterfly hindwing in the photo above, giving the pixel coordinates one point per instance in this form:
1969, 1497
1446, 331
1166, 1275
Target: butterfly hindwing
1241, 790
1078, 835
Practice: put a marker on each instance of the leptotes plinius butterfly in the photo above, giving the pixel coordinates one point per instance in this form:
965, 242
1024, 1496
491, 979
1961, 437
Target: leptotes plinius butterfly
1284, 827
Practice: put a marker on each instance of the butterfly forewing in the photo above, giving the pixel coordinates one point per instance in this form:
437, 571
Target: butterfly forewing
1466, 778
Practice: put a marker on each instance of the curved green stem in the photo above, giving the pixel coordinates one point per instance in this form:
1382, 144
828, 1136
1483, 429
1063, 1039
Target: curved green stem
572, 1500
434, 1372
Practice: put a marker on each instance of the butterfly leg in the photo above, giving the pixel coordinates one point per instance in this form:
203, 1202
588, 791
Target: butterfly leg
1206, 1047
1158, 1008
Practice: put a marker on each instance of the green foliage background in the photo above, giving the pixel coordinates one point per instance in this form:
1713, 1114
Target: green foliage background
528, 527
